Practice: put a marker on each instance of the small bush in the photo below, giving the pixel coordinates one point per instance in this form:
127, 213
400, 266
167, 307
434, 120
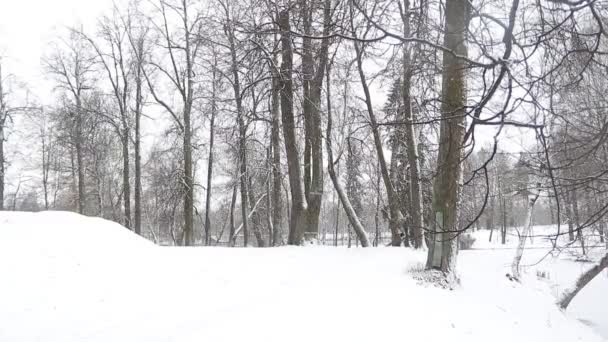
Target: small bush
465, 241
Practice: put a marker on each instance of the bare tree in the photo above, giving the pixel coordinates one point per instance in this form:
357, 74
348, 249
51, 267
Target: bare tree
182, 48
73, 68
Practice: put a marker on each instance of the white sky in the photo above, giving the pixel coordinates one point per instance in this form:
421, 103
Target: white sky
28, 26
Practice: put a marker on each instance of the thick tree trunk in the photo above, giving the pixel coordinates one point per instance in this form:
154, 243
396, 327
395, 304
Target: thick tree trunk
446, 189
297, 219
582, 281
312, 85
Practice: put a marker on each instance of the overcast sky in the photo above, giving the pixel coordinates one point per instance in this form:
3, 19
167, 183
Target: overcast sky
28, 26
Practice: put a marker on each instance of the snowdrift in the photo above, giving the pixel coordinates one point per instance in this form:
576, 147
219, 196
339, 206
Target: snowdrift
67, 277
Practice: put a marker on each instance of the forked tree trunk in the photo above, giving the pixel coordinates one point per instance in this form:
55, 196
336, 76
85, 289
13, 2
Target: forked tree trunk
312, 85
297, 219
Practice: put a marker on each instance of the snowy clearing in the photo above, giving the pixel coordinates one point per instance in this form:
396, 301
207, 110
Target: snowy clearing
73, 278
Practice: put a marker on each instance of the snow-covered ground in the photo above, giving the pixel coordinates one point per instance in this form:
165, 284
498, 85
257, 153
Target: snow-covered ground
70, 278
557, 268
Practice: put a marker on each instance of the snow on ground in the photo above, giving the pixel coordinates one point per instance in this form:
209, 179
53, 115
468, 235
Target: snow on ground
559, 269
70, 278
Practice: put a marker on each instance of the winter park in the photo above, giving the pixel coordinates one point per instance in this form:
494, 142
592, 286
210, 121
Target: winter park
304, 170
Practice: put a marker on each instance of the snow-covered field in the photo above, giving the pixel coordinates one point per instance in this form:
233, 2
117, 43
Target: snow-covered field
70, 278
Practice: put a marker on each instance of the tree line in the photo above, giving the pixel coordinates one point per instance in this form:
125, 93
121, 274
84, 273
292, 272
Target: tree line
217, 122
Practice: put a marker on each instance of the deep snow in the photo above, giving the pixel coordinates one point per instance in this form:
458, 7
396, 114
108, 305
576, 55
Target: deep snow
71, 278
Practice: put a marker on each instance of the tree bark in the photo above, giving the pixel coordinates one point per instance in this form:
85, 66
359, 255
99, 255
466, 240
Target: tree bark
446, 188
277, 204
312, 86
297, 219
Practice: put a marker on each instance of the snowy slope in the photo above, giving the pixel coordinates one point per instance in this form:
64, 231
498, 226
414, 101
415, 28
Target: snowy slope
560, 269
70, 278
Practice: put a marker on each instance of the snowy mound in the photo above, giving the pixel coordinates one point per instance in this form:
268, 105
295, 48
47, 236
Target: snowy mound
62, 229
70, 278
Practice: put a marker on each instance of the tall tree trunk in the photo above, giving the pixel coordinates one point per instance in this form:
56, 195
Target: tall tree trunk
312, 86
137, 145
396, 217
446, 189
242, 128
210, 160
277, 204
298, 203
353, 219
188, 182
209, 174
415, 204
